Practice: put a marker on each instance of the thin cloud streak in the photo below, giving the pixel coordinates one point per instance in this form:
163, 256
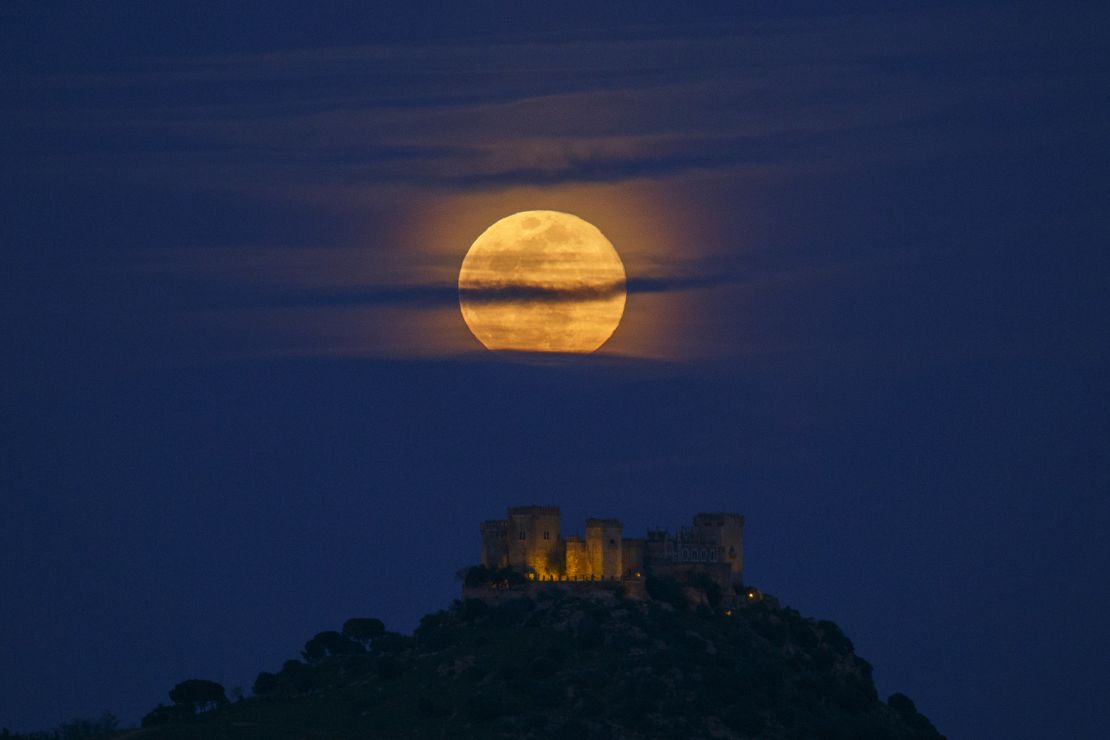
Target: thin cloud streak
440, 295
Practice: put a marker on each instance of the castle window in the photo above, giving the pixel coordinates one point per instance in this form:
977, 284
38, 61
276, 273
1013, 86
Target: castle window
547, 535
523, 535
732, 553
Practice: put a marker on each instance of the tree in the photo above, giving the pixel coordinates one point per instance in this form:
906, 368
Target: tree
328, 643
363, 629
267, 684
198, 695
297, 676
79, 729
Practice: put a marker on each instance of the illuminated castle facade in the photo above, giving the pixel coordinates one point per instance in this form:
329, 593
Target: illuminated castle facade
529, 540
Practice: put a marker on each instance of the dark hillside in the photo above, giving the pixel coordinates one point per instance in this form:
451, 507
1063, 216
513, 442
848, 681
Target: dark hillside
595, 666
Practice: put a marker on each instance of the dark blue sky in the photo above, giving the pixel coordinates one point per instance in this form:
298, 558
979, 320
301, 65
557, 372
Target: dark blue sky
869, 261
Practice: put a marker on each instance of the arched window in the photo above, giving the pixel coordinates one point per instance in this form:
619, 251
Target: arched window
546, 535
523, 535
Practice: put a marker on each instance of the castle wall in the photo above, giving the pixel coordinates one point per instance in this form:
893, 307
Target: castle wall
603, 543
534, 542
632, 556
683, 572
655, 547
577, 558
633, 590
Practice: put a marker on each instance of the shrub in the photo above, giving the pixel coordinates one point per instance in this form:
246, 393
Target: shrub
666, 590
391, 643
473, 609
388, 667
512, 612
480, 575
483, 708
429, 623
542, 667
431, 705
162, 715
710, 587
836, 639
82, 729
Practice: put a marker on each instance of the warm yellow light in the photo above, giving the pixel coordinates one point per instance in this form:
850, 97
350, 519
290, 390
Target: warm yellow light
542, 281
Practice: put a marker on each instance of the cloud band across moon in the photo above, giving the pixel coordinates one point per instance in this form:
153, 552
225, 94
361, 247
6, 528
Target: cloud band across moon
439, 295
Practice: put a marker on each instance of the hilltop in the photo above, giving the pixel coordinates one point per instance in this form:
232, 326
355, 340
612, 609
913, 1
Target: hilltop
592, 665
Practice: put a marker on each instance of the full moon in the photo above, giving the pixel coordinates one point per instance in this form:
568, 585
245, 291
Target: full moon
542, 281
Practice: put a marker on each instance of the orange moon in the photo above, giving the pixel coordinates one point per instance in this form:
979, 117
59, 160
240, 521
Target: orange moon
542, 281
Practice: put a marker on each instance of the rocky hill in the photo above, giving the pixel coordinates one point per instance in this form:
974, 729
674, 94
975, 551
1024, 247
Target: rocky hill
562, 666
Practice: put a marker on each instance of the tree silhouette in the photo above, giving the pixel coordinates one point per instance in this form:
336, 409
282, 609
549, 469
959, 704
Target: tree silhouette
363, 629
329, 643
198, 695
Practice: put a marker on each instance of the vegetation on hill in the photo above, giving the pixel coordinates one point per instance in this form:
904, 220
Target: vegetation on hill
104, 726
594, 666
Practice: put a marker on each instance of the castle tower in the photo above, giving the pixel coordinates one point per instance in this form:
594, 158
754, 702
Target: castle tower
495, 543
533, 539
726, 532
603, 545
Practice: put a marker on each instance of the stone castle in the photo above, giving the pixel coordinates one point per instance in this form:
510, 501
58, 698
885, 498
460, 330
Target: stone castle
529, 540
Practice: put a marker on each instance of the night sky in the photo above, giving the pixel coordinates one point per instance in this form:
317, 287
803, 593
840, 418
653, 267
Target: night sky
870, 309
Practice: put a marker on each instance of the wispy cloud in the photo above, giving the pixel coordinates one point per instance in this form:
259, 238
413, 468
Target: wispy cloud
651, 131
537, 110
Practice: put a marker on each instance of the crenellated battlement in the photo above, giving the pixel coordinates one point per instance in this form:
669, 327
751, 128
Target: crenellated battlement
530, 542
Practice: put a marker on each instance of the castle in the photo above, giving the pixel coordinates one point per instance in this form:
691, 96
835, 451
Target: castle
529, 541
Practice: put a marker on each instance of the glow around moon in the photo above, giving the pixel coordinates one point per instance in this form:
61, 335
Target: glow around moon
542, 281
